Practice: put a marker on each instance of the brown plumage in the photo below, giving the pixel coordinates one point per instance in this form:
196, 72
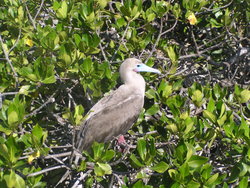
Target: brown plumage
115, 113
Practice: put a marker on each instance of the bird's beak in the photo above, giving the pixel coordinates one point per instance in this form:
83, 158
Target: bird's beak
145, 68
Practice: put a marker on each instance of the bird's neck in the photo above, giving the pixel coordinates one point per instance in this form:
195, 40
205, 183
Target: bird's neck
135, 81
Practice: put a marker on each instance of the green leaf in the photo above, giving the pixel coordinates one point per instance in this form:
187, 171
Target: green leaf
121, 22
77, 39
25, 89
102, 169
135, 161
211, 105
99, 171
5, 130
167, 91
190, 151
172, 127
222, 108
244, 182
63, 11
14, 180
150, 17
95, 40
49, 80
78, 115
37, 132
172, 173
180, 152
56, 5
197, 96
108, 155
244, 126
141, 148
139, 184
176, 10
64, 56
4, 151
214, 23
171, 53
244, 96
212, 179
161, 167
222, 120
152, 149
12, 117
87, 66
209, 115
227, 18
20, 13
97, 150
196, 161
184, 170
206, 171
152, 110
189, 125
151, 94
103, 3
82, 166
16, 112
194, 184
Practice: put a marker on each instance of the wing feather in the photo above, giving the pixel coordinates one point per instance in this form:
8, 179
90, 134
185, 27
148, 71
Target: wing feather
111, 116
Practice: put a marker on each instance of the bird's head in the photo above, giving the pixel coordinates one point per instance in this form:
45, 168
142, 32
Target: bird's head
130, 68
135, 65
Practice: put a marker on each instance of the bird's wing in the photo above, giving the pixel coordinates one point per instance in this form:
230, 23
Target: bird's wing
112, 115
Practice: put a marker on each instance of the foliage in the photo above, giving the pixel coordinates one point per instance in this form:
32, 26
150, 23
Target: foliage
57, 58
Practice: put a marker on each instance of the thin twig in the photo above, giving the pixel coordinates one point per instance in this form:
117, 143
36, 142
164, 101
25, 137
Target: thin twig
103, 53
119, 179
121, 41
201, 52
16, 42
215, 9
111, 181
170, 29
65, 154
6, 54
29, 15
242, 113
159, 37
38, 11
47, 170
156, 42
51, 99
195, 43
83, 176
9, 93
210, 41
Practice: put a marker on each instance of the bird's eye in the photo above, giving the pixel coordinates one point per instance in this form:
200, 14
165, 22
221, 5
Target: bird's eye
138, 65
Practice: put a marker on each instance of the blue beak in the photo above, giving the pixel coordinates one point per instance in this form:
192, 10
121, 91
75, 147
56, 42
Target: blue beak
145, 68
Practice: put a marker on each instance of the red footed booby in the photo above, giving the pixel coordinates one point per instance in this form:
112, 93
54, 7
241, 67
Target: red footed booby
115, 113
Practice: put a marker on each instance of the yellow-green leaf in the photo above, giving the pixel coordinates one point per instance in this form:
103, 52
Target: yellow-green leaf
245, 96
212, 179
209, 115
161, 167
172, 127
63, 11
12, 117
197, 96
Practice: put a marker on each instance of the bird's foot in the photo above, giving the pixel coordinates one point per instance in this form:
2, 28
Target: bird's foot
121, 143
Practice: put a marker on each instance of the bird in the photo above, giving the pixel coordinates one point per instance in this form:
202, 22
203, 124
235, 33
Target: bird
115, 113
